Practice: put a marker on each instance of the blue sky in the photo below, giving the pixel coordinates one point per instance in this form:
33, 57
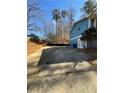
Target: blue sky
48, 5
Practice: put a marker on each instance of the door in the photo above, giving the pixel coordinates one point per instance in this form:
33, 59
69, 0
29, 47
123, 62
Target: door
74, 45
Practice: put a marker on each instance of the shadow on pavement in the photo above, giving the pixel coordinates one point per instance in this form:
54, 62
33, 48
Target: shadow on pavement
66, 54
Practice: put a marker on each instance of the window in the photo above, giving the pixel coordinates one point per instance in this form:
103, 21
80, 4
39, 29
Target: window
79, 29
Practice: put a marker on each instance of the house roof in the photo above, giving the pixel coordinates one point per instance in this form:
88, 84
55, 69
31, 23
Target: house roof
83, 18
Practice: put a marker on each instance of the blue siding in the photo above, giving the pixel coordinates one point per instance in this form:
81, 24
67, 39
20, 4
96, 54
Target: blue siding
73, 42
78, 29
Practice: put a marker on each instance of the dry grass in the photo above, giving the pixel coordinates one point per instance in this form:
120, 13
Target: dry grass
32, 47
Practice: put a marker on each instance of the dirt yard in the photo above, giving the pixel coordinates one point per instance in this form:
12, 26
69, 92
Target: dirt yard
76, 82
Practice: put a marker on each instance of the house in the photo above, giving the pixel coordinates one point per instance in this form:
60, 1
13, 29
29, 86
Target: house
80, 27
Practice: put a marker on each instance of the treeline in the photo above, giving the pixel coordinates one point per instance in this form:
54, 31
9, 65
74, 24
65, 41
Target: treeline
63, 21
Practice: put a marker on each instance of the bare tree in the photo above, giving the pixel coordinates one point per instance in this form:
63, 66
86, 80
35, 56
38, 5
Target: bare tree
33, 12
71, 15
57, 17
48, 27
64, 14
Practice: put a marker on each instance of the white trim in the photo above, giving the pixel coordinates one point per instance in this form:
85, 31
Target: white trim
89, 23
85, 43
82, 18
80, 43
95, 22
76, 37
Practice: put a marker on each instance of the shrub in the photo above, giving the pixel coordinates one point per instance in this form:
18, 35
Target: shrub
89, 35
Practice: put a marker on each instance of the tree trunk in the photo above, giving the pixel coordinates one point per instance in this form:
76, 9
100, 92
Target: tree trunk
62, 28
56, 31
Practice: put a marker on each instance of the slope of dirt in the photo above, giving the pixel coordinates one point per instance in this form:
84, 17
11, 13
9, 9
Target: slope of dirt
32, 47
